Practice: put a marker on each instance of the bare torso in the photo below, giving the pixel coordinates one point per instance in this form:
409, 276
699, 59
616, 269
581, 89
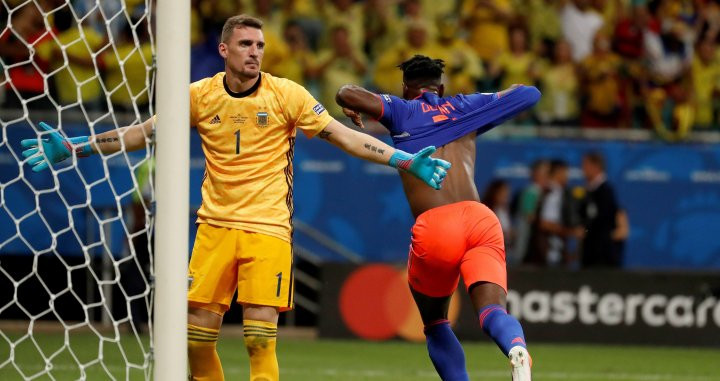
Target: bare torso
459, 185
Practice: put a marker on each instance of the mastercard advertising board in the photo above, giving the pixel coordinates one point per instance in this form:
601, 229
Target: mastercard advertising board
373, 302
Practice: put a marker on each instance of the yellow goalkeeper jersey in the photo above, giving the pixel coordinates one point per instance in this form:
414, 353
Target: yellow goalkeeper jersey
248, 139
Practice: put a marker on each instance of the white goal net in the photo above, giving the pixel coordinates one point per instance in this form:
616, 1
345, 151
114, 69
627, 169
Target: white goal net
75, 239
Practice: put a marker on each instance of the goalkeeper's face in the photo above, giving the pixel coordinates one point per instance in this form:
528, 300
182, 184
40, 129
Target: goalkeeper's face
243, 52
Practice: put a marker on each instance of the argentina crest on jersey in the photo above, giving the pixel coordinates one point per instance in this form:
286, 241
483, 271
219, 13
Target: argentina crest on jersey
318, 108
262, 119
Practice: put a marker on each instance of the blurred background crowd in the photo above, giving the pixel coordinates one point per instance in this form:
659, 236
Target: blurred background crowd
599, 63
607, 64
551, 223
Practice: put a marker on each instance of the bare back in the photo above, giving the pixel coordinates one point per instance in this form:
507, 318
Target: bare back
425, 118
459, 185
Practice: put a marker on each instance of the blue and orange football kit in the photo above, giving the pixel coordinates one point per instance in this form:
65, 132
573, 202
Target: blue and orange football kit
471, 243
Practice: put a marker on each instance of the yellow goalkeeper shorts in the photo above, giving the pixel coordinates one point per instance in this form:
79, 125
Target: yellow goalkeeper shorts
258, 266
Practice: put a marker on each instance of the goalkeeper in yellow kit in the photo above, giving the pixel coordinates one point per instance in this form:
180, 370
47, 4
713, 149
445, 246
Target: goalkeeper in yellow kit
247, 120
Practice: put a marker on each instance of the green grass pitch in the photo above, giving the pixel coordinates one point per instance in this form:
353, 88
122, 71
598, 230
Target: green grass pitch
350, 360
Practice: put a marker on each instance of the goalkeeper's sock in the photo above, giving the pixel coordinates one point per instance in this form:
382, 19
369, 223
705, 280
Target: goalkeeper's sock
260, 341
504, 329
202, 354
445, 351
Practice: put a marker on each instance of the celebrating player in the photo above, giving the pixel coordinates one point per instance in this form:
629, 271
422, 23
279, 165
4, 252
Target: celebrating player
247, 120
454, 233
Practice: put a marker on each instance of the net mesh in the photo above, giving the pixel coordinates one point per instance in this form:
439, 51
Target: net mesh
76, 239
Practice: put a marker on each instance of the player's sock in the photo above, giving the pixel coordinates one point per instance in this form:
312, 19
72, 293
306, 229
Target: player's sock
445, 351
260, 340
202, 354
504, 329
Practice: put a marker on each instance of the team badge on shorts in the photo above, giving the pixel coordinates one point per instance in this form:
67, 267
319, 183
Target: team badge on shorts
262, 119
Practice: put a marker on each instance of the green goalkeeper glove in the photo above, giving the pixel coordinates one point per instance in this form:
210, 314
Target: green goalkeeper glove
421, 165
53, 150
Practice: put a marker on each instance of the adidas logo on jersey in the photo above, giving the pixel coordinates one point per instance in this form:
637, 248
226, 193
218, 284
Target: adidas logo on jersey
215, 120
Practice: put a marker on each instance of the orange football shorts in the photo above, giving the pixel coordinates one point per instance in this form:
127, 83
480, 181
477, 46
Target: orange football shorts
464, 238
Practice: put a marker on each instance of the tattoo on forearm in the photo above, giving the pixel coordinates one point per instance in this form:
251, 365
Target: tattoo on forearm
374, 149
325, 135
107, 140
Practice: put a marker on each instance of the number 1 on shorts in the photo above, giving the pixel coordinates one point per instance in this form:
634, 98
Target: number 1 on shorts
279, 276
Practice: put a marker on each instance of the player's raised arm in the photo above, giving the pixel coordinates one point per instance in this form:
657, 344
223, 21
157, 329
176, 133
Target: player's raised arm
56, 148
359, 100
421, 165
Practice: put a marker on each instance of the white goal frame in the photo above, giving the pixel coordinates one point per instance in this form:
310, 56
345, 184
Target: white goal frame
172, 189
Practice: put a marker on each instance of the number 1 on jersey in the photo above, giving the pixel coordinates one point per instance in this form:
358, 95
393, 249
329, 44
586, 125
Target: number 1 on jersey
237, 142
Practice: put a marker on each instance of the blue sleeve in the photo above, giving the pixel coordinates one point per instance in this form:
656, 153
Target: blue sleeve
501, 109
394, 110
477, 100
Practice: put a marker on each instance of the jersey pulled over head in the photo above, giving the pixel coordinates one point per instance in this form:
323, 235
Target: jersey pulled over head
420, 74
424, 117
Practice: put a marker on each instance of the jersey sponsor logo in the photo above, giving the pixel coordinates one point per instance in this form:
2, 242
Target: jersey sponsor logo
262, 119
387, 98
318, 108
215, 120
405, 134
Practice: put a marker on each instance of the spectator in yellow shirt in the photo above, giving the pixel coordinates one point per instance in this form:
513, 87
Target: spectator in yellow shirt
380, 24
560, 85
337, 66
413, 12
77, 80
127, 69
705, 74
601, 85
434, 9
387, 79
275, 19
464, 68
347, 13
487, 23
297, 67
518, 65
543, 17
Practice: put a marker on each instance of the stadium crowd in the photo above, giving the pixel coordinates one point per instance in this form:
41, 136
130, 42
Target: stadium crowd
599, 63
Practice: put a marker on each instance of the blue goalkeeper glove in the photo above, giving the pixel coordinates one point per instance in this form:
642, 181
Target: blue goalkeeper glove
421, 165
53, 150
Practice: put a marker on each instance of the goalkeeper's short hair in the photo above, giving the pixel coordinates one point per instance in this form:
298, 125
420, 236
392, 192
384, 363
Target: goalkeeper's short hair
239, 21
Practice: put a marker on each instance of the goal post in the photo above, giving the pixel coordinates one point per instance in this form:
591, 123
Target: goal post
93, 250
172, 178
